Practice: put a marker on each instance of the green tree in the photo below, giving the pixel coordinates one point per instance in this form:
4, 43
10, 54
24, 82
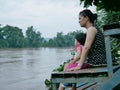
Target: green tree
13, 36
34, 38
107, 5
51, 43
3, 42
59, 39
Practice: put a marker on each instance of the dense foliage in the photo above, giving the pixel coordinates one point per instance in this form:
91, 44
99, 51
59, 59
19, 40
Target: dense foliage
12, 37
111, 18
107, 5
61, 40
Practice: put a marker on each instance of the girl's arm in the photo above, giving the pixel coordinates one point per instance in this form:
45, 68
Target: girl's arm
77, 56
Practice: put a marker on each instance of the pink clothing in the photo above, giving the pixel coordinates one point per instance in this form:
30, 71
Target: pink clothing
78, 46
70, 66
73, 65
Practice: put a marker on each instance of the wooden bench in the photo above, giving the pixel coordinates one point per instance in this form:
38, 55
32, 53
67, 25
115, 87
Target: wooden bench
105, 78
85, 77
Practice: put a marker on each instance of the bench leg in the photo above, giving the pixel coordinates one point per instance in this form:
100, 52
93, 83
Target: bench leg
74, 87
54, 86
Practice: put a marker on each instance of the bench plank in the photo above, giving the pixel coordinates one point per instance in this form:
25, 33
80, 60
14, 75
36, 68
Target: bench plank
112, 30
90, 72
84, 87
111, 26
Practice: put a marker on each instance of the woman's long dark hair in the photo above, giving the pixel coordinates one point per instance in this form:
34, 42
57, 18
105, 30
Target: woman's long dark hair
92, 17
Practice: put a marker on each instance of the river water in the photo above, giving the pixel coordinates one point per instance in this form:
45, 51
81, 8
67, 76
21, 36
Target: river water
26, 69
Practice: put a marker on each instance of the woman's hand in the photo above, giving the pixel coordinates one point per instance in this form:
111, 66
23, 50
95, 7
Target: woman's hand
77, 68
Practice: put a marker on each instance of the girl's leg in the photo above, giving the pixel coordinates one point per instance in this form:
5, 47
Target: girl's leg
65, 67
61, 87
73, 88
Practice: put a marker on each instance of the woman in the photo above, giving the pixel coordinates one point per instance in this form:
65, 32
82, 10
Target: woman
94, 47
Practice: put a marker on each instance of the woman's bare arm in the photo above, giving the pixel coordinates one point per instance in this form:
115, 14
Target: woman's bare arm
91, 33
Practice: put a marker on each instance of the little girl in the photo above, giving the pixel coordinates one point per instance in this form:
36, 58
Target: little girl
79, 42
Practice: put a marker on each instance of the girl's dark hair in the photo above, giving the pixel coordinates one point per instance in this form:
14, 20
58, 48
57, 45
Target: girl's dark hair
80, 37
92, 17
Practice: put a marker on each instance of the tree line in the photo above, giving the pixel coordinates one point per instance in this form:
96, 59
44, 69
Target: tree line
13, 37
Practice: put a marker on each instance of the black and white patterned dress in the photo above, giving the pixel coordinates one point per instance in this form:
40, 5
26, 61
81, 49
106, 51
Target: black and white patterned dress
97, 54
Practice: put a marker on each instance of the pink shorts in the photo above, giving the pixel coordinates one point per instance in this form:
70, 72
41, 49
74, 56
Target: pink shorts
73, 65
